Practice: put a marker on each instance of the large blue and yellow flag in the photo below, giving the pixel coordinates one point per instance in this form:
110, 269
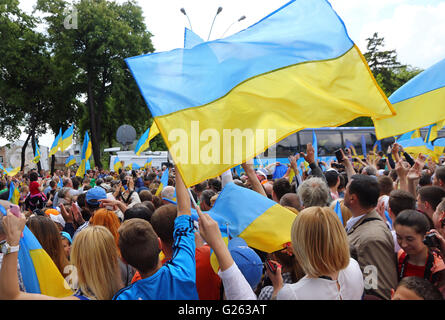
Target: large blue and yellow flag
117, 164
420, 102
264, 224
67, 138
14, 194
12, 171
164, 182
294, 69
71, 161
85, 155
36, 154
143, 143
418, 145
57, 144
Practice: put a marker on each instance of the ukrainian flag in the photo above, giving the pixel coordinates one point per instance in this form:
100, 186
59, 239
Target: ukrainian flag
191, 39
348, 144
377, 146
264, 224
57, 144
14, 194
143, 143
148, 163
419, 102
36, 154
12, 172
294, 69
164, 182
117, 164
85, 155
136, 166
71, 161
418, 145
67, 138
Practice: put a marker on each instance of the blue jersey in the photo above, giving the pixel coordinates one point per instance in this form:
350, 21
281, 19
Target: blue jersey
176, 279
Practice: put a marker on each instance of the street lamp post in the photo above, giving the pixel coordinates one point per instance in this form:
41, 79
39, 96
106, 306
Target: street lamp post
217, 12
240, 19
184, 13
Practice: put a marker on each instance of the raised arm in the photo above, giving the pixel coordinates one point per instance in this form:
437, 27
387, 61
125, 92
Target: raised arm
182, 196
251, 175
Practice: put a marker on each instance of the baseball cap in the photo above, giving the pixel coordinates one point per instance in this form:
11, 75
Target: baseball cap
247, 260
95, 194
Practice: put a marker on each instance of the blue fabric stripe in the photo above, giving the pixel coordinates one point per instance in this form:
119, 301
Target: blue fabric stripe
301, 31
27, 243
191, 39
431, 79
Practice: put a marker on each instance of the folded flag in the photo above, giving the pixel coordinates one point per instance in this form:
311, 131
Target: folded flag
338, 211
87, 149
258, 86
143, 143
57, 143
117, 164
14, 194
418, 103
71, 161
164, 182
264, 224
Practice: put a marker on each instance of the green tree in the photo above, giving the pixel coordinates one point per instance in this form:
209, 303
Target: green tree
106, 34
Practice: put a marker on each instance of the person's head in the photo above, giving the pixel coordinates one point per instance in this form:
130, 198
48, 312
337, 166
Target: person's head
95, 256
163, 223
48, 235
33, 176
400, 200
139, 245
386, 185
280, 188
108, 219
76, 183
56, 217
140, 211
411, 227
268, 188
415, 288
439, 217
319, 242
247, 260
314, 192
369, 171
145, 195
67, 182
93, 197
362, 194
428, 198
332, 178
66, 243
291, 200
439, 177
52, 184
204, 200
168, 193
215, 185
200, 187
425, 180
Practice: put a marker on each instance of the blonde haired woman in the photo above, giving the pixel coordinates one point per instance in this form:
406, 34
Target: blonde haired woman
321, 248
93, 254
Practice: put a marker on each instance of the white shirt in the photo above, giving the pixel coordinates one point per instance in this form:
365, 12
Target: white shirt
350, 281
352, 221
235, 285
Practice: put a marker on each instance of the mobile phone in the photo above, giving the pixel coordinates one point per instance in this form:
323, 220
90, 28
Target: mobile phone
15, 210
271, 266
339, 155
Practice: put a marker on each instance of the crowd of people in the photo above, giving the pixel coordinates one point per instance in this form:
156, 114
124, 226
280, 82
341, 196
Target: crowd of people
127, 241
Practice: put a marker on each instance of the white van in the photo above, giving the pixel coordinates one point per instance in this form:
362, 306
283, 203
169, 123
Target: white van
126, 157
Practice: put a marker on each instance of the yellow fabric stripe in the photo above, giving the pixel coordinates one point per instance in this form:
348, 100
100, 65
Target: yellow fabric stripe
50, 279
413, 113
154, 131
314, 94
270, 231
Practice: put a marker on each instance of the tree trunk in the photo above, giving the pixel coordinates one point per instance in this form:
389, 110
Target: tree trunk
53, 163
22, 166
95, 133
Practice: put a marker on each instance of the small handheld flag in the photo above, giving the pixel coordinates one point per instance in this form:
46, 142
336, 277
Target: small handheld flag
164, 182
14, 194
67, 138
36, 154
70, 161
57, 143
117, 164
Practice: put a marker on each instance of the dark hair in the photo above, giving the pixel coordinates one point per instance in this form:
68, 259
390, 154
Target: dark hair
206, 195
400, 200
385, 184
366, 188
52, 183
425, 180
76, 183
33, 176
138, 244
440, 173
381, 164
145, 195
157, 202
331, 178
421, 287
149, 205
291, 200
412, 218
150, 177
200, 187
432, 194
215, 184
138, 211
281, 187
163, 221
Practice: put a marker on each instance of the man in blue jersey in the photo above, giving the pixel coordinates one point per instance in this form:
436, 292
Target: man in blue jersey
140, 247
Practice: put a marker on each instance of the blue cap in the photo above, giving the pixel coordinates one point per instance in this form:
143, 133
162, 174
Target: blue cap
94, 194
67, 236
247, 260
